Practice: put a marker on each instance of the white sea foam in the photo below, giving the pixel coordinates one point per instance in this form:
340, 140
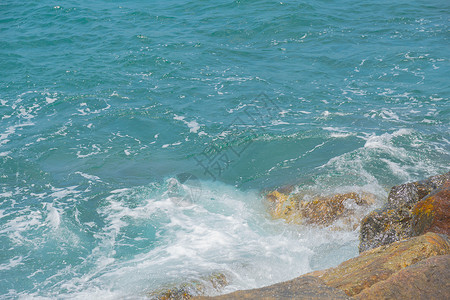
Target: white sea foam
389, 115
279, 122
5, 153
59, 193
393, 151
53, 216
12, 130
95, 150
87, 176
283, 112
173, 144
338, 132
193, 125
6, 194
13, 262
384, 141
239, 107
50, 100
85, 110
218, 228
396, 169
16, 227
340, 135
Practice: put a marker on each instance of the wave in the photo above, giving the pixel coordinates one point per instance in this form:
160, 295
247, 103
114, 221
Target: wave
149, 236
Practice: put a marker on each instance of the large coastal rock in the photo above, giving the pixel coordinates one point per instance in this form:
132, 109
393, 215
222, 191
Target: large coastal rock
187, 290
319, 210
394, 221
432, 214
428, 279
376, 265
304, 287
384, 226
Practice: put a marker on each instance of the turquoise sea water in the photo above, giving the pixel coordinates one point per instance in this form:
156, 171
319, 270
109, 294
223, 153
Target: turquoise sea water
136, 137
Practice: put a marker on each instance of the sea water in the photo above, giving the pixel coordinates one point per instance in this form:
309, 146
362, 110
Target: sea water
137, 138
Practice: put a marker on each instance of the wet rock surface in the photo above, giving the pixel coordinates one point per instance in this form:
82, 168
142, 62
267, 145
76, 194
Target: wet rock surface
427, 279
304, 287
363, 271
384, 226
320, 210
432, 214
187, 290
394, 221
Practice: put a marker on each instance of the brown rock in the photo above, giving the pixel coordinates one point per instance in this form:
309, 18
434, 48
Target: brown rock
433, 212
426, 186
384, 226
359, 273
394, 221
428, 279
320, 210
304, 287
404, 195
187, 290
408, 194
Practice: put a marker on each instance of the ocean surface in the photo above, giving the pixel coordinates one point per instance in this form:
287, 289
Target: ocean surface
137, 137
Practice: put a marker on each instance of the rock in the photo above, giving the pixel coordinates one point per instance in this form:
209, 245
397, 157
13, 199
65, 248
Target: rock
370, 267
405, 195
432, 214
394, 221
408, 194
384, 226
426, 186
428, 279
320, 210
184, 291
281, 206
304, 287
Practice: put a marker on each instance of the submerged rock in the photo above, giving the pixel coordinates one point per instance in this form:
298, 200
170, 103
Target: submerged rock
359, 273
427, 279
187, 290
304, 287
320, 210
394, 221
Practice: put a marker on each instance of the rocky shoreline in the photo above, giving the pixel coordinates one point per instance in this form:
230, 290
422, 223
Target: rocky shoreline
404, 247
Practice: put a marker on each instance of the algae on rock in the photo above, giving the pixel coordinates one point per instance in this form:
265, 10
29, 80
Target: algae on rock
394, 221
433, 212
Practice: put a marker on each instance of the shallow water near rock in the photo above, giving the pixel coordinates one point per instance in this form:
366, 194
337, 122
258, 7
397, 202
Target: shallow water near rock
136, 138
